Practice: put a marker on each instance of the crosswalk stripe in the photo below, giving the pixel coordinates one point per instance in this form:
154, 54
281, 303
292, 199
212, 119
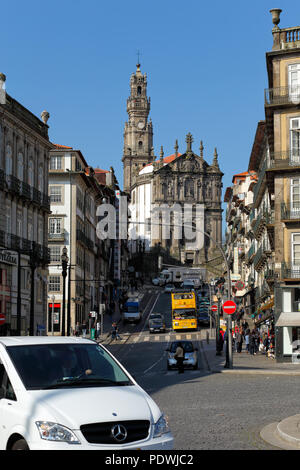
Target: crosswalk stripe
178, 336
188, 336
147, 338
156, 338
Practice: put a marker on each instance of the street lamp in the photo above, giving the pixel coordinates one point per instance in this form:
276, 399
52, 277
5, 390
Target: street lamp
64, 265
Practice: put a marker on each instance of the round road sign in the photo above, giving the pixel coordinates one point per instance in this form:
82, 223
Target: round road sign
229, 307
214, 308
2, 318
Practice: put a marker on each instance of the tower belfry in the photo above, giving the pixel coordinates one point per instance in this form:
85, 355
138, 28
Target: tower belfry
138, 132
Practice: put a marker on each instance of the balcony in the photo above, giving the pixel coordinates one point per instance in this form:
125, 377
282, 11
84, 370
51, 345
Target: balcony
284, 160
2, 238
25, 190
290, 272
2, 179
261, 256
290, 213
45, 201
260, 185
57, 237
84, 239
270, 274
258, 226
36, 196
282, 96
13, 184
250, 254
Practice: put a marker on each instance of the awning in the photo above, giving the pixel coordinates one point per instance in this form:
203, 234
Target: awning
288, 319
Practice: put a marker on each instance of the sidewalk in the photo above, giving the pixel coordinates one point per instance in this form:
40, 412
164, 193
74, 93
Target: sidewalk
244, 363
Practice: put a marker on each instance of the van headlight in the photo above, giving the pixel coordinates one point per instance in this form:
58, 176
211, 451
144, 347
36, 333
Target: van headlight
56, 432
161, 427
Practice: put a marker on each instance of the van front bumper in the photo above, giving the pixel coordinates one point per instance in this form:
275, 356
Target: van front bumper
164, 442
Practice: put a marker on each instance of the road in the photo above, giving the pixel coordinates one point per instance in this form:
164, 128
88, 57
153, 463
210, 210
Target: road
206, 411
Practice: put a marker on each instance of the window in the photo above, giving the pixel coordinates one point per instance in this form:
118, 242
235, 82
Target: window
55, 194
296, 250
20, 174
139, 90
55, 253
6, 388
55, 225
8, 217
8, 160
294, 83
295, 140
41, 179
55, 162
30, 173
54, 283
295, 198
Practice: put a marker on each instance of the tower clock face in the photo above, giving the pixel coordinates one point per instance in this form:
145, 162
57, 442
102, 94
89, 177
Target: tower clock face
141, 125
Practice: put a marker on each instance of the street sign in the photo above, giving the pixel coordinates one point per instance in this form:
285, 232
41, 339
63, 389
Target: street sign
214, 308
239, 285
229, 307
2, 318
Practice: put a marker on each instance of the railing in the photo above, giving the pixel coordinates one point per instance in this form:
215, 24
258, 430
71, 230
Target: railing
36, 196
2, 179
284, 159
57, 236
290, 271
260, 180
25, 190
84, 239
282, 95
13, 184
289, 35
290, 212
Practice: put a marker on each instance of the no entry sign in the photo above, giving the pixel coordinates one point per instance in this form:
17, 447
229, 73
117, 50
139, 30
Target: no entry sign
214, 308
229, 307
2, 318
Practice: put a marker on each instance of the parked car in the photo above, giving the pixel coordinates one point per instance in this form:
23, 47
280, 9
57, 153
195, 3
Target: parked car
190, 355
156, 323
155, 281
169, 288
63, 393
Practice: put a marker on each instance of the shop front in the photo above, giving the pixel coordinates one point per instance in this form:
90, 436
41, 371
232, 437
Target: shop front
287, 324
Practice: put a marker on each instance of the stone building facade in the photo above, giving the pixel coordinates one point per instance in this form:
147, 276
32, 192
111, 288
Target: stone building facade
24, 210
156, 185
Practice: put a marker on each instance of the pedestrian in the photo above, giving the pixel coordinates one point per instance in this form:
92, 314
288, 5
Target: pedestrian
247, 342
83, 329
239, 340
226, 365
252, 343
256, 341
219, 345
77, 329
115, 333
98, 327
179, 356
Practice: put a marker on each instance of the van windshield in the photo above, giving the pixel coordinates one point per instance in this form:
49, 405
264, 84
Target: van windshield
132, 308
66, 365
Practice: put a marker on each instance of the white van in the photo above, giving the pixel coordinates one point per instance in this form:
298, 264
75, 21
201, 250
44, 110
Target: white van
132, 311
62, 393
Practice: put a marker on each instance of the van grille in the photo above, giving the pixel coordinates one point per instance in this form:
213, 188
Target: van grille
101, 433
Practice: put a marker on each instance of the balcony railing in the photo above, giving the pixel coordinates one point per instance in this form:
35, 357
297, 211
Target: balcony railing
84, 239
285, 95
36, 196
13, 184
284, 159
25, 190
290, 212
57, 236
2, 179
290, 271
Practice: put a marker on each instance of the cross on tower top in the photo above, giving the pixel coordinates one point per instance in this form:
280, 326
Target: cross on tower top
189, 140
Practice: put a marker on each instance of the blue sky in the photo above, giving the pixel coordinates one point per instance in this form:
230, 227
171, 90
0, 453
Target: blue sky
205, 63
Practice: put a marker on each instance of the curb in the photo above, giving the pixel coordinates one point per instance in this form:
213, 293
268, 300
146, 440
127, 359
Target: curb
256, 372
284, 435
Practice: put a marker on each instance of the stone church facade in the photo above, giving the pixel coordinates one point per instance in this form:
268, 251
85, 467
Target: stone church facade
181, 180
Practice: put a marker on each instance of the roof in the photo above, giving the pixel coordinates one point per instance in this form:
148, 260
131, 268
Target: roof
257, 146
62, 146
243, 176
40, 340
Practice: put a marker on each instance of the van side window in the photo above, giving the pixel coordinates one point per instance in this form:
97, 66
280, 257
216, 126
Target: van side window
6, 389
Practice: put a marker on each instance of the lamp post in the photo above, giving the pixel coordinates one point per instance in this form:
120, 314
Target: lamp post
64, 265
52, 315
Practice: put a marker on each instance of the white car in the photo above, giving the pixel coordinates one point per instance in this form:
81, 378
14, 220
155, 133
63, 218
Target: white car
62, 393
169, 288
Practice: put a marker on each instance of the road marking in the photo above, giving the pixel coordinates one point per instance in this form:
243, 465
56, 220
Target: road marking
178, 336
188, 336
157, 338
147, 338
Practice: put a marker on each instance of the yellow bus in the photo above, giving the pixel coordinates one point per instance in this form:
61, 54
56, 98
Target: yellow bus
184, 313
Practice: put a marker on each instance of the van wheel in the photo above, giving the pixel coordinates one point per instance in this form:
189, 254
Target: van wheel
20, 444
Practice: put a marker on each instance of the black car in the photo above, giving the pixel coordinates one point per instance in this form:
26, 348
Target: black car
157, 323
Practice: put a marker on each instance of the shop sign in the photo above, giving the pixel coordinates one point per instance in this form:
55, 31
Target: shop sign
8, 257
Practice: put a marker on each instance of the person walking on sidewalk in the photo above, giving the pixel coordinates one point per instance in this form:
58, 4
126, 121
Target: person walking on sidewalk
239, 341
252, 343
247, 342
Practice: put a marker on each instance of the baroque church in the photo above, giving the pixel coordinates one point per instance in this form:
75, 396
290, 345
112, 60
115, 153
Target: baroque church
178, 180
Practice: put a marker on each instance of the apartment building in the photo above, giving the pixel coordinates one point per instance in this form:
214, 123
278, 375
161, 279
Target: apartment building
75, 194
273, 258
24, 210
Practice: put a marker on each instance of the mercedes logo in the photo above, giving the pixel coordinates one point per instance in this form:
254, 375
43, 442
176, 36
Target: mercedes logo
119, 432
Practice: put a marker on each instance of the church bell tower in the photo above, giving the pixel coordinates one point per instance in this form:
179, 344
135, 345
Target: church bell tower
138, 132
